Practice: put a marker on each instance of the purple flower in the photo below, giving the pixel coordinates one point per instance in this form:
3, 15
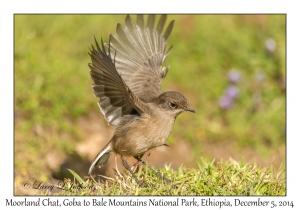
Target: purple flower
234, 76
226, 102
260, 76
270, 45
232, 91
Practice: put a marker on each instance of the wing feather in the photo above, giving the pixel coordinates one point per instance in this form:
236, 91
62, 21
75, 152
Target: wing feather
133, 77
140, 53
116, 99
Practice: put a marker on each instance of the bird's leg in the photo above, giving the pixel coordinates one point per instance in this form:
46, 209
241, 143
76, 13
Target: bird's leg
135, 166
125, 164
157, 173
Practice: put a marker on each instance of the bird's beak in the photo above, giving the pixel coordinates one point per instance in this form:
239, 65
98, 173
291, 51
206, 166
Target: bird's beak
189, 109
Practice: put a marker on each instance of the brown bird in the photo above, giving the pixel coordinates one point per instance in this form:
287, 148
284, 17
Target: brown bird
127, 73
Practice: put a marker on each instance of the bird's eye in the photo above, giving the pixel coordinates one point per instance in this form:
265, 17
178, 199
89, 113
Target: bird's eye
172, 105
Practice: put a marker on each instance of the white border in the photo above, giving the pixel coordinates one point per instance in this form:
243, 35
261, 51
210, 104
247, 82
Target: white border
153, 6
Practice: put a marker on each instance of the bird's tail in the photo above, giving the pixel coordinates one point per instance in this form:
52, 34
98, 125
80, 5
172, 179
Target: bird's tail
102, 157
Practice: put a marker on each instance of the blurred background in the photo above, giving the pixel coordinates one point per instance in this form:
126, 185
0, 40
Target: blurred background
231, 68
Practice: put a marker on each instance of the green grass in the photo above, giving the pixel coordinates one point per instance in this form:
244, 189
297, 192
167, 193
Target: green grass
229, 178
53, 88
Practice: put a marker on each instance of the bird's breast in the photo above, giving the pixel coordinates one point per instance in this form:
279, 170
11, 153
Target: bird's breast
162, 128
143, 134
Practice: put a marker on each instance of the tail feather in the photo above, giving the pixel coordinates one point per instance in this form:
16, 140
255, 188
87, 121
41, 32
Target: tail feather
101, 158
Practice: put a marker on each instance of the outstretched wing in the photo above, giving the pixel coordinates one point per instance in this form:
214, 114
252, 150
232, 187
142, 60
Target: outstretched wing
116, 99
140, 53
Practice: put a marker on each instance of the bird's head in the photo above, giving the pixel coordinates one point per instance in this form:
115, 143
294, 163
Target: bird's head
173, 102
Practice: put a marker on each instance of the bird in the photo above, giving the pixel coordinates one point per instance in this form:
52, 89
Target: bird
127, 73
